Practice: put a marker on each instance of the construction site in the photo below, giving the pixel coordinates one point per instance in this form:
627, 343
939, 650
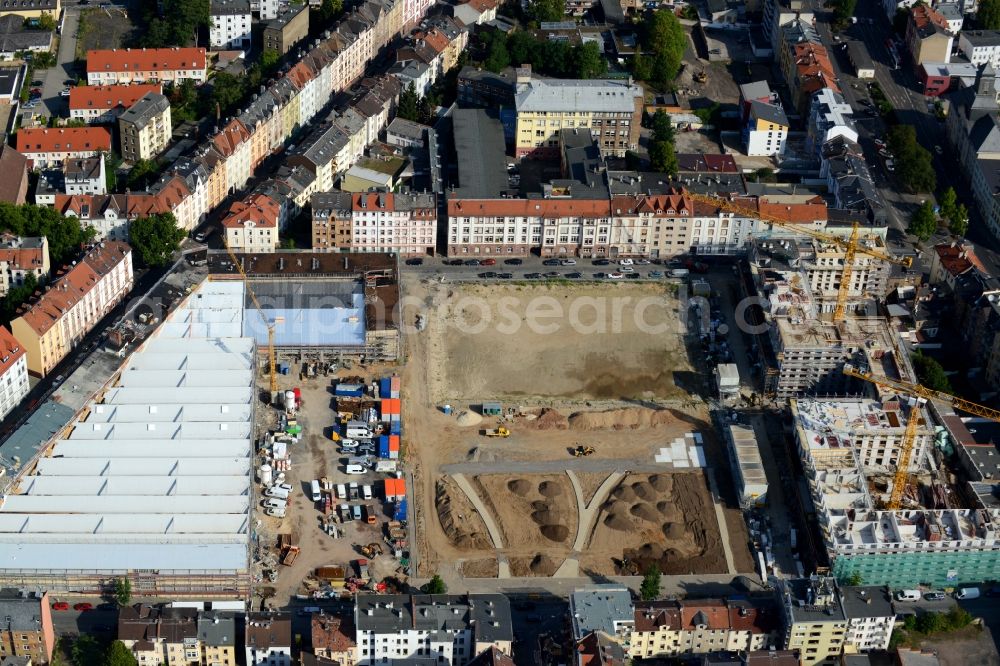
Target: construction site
580, 448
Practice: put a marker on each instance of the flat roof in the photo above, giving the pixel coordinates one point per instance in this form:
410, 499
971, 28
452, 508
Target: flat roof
156, 471
481, 151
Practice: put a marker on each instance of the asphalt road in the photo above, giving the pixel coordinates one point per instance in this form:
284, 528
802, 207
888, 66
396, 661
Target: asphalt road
53, 79
583, 269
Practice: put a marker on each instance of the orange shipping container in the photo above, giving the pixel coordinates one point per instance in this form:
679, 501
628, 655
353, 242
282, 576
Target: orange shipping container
394, 442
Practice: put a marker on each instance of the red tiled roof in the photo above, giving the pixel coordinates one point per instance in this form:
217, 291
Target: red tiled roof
927, 20
530, 207
145, 60
82, 98
23, 258
805, 213
813, 68
957, 259
231, 136
260, 209
65, 139
10, 350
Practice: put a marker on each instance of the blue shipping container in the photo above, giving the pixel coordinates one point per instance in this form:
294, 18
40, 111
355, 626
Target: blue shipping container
400, 510
395, 428
384, 387
383, 446
349, 390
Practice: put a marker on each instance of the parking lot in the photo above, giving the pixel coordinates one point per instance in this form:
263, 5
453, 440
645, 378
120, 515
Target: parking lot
329, 532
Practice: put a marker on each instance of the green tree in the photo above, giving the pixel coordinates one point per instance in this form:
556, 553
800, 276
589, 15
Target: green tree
923, 224
498, 58
947, 203
435, 586
988, 14
666, 38
663, 128
111, 164
87, 651
764, 175
44, 22
524, 48
123, 586
330, 10
119, 655
142, 173
590, 62
855, 579
957, 618
843, 10
16, 297
958, 224
930, 373
155, 238
409, 103
642, 67
662, 157
547, 10
650, 588
227, 91
914, 167
269, 60
64, 233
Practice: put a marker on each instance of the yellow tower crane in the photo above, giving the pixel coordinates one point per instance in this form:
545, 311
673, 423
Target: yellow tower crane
921, 394
271, 361
851, 245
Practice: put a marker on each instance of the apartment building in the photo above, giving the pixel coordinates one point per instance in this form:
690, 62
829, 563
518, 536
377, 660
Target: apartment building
612, 110
766, 130
928, 35
28, 630
172, 636
14, 166
333, 638
230, 24
449, 628
20, 257
73, 304
870, 617
404, 223
268, 639
265, 9
252, 225
125, 66
815, 622
13, 373
100, 105
850, 181
46, 147
607, 608
144, 129
830, 116
286, 29
810, 72
86, 176
702, 626
981, 47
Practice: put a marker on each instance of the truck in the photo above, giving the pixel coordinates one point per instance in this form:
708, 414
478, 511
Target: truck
357, 430
370, 514
497, 432
289, 556
366, 491
362, 566
341, 491
353, 491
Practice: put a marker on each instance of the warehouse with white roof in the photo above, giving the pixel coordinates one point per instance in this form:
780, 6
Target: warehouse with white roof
153, 479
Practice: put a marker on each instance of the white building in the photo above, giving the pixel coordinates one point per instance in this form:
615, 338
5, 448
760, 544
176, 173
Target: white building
445, 629
766, 130
830, 116
230, 24
253, 225
85, 176
981, 46
870, 617
13, 372
268, 639
265, 9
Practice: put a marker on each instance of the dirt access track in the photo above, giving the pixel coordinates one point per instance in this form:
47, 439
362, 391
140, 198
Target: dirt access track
607, 367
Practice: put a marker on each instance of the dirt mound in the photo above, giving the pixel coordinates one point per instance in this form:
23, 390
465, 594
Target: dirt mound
549, 489
651, 550
557, 533
662, 482
469, 419
624, 493
519, 487
486, 568
644, 490
458, 518
550, 419
663, 507
673, 531
542, 565
644, 511
545, 517
539, 505
621, 419
617, 521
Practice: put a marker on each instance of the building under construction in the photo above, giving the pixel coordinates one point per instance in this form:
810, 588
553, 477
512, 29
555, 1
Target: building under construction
322, 306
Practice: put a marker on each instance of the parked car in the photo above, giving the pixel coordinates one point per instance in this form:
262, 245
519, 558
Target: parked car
627, 269
415, 261
568, 262
471, 262
550, 262
642, 262
83, 606
37, 84
601, 262
487, 262
573, 276
934, 595
454, 262
275, 512
633, 276
60, 606
625, 262
513, 262
655, 274
64, 92
488, 275
616, 276
533, 276
504, 276
552, 274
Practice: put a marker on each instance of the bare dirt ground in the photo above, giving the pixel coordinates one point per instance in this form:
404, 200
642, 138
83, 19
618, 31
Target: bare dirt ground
483, 346
972, 645
662, 519
622, 391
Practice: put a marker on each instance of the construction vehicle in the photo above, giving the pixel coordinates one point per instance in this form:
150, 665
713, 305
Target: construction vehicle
372, 550
921, 394
271, 358
288, 557
851, 246
700, 77
497, 432
581, 451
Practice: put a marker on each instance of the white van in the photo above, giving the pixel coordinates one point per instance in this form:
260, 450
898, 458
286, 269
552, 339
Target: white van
314, 488
679, 272
276, 491
366, 491
625, 262
908, 595
341, 491
275, 513
354, 469
967, 593
275, 503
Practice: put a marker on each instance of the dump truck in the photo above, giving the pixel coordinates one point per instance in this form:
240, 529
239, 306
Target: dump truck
581, 451
497, 432
290, 554
370, 514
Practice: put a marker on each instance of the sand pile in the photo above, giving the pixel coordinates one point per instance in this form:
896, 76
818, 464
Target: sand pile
550, 419
545, 517
519, 487
645, 511
673, 531
663, 507
557, 533
548, 489
624, 493
459, 520
542, 565
644, 490
662, 482
621, 419
617, 521
469, 419
651, 550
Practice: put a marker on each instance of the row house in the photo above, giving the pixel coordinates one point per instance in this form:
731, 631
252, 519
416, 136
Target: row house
178, 636
374, 222
447, 37
701, 626
124, 66
981, 47
252, 225
234, 143
51, 326
216, 171
830, 116
186, 203
103, 104
419, 64
324, 152
109, 215
928, 35
850, 181
21, 257
46, 147
14, 386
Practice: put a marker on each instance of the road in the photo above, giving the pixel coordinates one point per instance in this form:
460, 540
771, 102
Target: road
53, 79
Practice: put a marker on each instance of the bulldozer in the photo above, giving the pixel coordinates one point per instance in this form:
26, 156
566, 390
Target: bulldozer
372, 550
581, 451
497, 432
